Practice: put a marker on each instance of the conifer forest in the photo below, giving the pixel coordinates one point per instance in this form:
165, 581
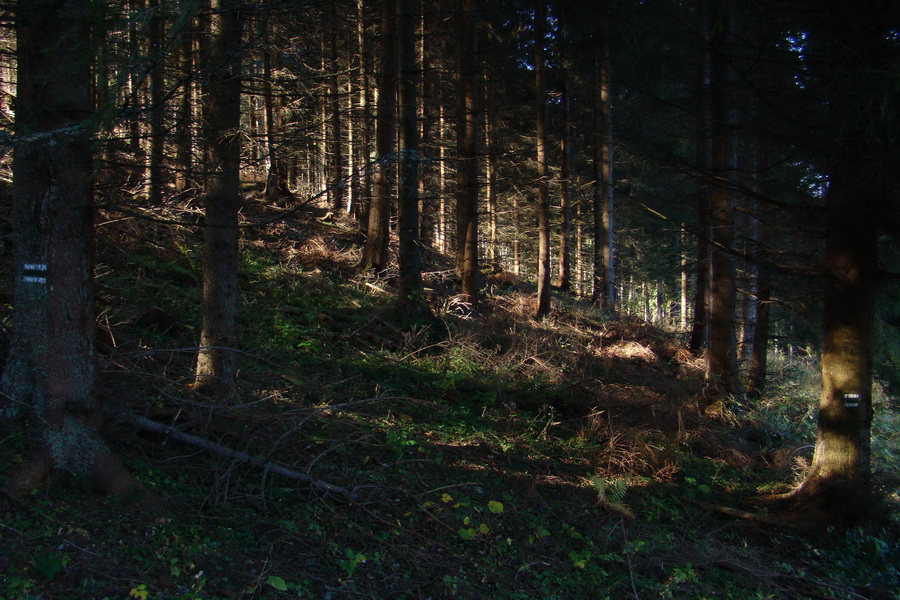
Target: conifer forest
476, 299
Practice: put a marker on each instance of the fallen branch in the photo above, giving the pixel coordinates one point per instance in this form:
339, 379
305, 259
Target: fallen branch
236, 455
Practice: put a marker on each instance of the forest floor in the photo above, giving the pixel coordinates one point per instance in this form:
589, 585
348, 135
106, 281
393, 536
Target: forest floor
473, 455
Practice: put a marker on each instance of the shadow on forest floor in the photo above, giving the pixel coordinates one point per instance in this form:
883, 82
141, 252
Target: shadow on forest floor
490, 456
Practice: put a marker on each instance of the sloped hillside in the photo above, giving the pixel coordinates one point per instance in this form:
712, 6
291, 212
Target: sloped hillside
472, 455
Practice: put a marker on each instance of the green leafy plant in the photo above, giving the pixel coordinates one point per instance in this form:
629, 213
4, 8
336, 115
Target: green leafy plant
354, 559
610, 495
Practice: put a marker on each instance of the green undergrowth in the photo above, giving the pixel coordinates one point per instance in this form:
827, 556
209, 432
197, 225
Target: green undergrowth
485, 456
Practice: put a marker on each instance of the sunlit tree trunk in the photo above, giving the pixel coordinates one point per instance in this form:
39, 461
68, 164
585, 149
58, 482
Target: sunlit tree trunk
565, 210
442, 235
838, 484
427, 85
51, 365
579, 245
364, 128
467, 148
215, 371
490, 175
543, 192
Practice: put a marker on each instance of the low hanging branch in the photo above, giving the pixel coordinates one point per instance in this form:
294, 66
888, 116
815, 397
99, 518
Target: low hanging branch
243, 457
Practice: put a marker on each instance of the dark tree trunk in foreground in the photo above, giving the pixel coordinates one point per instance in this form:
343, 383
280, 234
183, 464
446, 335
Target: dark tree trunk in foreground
838, 485
375, 251
700, 327
50, 370
411, 292
467, 147
215, 370
543, 192
722, 350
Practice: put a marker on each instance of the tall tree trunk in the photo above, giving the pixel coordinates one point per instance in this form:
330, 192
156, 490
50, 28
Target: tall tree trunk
543, 192
135, 86
565, 210
579, 244
838, 484
490, 175
277, 187
157, 104
365, 123
215, 371
427, 85
442, 235
337, 184
762, 287
684, 279
722, 357
700, 328
51, 365
184, 135
375, 251
467, 147
604, 268
411, 292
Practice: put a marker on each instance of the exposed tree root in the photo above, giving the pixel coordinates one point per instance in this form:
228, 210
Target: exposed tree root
111, 478
108, 476
742, 514
32, 474
840, 503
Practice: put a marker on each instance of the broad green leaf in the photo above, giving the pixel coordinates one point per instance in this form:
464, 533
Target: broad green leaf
277, 582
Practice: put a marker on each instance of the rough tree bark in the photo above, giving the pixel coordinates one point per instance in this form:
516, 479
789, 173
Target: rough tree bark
50, 370
337, 188
565, 210
838, 485
700, 327
543, 192
277, 187
722, 349
411, 291
157, 104
375, 251
215, 371
467, 147
604, 270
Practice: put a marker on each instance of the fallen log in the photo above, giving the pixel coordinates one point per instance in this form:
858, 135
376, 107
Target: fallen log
236, 455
